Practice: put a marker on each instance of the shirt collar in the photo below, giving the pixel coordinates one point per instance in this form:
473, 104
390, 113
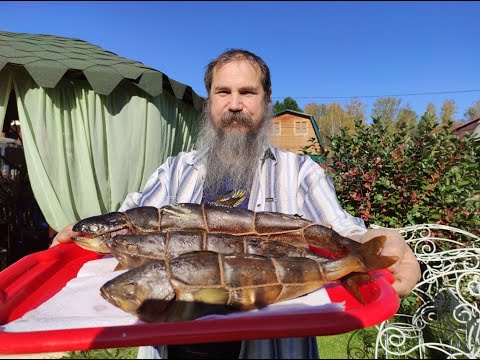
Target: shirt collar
197, 156
269, 154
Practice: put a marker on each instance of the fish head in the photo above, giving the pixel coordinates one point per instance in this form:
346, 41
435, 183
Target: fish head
92, 243
134, 250
143, 291
102, 224
94, 232
98, 243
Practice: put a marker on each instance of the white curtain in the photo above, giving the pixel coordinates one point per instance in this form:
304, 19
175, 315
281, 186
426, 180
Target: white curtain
85, 152
5, 87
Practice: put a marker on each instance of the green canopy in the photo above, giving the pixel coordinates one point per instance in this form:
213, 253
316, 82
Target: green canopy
94, 125
49, 58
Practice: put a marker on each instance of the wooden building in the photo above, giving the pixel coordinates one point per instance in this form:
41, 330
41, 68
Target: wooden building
468, 127
293, 131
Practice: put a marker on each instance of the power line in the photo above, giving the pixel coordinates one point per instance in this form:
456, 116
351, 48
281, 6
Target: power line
376, 96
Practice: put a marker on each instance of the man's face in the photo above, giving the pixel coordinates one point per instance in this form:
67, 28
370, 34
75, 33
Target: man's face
237, 93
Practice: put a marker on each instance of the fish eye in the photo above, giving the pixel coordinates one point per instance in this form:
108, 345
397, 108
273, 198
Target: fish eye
132, 247
93, 227
129, 289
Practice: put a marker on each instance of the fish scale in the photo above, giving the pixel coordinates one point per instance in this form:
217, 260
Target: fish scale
291, 229
198, 283
172, 231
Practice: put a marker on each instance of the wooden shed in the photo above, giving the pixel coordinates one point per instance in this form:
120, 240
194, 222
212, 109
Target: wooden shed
293, 130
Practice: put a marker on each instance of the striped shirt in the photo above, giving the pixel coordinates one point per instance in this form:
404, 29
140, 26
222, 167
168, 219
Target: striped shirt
284, 182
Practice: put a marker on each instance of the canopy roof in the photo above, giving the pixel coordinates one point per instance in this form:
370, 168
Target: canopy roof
48, 58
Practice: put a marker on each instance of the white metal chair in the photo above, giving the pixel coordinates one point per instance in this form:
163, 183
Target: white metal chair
441, 317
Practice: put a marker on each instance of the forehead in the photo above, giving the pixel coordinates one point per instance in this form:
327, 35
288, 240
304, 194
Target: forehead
237, 71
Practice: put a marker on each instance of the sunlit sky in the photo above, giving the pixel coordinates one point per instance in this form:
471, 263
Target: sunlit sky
318, 52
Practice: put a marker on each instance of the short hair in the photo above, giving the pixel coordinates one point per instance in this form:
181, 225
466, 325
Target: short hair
238, 55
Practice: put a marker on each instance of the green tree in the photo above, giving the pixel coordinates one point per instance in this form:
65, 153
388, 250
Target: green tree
332, 121
287, 104
316, 110
386, 110
406, 117
447, 113
473, 112
392, 114
356, 110
432, 110
407, 177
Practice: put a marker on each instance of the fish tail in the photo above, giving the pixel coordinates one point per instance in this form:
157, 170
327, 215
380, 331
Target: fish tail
363, 259
368, 255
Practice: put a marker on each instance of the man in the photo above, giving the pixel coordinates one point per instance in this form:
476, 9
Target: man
235, 157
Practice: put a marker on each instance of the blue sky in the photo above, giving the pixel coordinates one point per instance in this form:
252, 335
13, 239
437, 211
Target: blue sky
317, 51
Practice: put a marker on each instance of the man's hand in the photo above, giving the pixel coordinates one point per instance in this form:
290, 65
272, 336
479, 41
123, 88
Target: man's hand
65, 235
406, 271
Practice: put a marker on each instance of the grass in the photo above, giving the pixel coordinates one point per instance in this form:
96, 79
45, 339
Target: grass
340, 346
358, 344
333, 346
353, 345
116, 353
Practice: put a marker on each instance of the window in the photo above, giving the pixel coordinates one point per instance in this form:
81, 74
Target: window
277, 127
301, 128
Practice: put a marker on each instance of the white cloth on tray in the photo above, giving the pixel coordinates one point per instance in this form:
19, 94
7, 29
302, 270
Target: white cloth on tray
80, 305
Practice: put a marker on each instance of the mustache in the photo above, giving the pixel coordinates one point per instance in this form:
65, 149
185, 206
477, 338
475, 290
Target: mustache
239, 117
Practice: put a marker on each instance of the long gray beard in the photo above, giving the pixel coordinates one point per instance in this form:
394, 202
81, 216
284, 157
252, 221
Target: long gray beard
233, 157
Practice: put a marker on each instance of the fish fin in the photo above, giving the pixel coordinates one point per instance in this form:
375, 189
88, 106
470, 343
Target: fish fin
361, 286
215, 296
189, 310
152, 310
227, 200
194, 304
119, 267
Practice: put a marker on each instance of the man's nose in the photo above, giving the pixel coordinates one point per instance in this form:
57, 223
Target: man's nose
235, 103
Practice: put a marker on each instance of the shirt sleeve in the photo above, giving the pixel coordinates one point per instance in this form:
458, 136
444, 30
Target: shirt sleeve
321, 203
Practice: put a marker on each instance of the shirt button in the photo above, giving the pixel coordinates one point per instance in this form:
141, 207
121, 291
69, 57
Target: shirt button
258, 205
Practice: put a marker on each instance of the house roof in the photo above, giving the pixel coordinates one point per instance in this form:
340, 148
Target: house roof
458, 127
48, 58
476, 130
306, 116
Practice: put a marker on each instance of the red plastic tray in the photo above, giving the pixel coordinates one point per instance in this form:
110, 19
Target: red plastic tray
35, 278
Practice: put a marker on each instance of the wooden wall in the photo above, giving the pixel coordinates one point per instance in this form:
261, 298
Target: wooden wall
294, 132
